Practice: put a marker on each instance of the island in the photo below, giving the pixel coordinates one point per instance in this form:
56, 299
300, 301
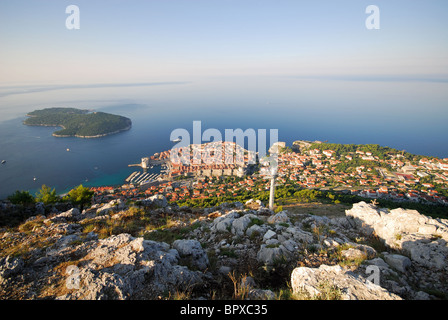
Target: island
78, 123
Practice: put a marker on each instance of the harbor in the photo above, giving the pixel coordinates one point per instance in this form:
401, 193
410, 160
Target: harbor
142, 178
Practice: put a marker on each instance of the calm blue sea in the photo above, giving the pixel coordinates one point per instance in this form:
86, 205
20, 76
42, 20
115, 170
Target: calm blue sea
409, 116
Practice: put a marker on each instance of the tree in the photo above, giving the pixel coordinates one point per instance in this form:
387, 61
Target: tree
21, 197
46, 195
80, 196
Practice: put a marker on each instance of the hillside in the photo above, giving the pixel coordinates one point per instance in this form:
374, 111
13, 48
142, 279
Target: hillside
155, 251
78, 123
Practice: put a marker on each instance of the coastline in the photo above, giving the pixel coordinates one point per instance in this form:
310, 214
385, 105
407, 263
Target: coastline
93, 137
78, 136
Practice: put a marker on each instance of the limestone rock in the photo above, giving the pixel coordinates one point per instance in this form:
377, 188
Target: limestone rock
10, 266
224, 222
122, 267
423, 238
399, 262
157, 200
70, 215
240, 225
280, 217
268, 235
192, 250
113, 205
350, 286
270, 255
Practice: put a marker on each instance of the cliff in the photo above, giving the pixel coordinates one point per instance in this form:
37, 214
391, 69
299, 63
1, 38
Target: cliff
233, 251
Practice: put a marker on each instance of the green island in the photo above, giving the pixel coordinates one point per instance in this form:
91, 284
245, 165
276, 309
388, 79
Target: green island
78, 123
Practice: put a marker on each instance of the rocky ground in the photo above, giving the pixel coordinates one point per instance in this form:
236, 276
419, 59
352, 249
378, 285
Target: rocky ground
234, 251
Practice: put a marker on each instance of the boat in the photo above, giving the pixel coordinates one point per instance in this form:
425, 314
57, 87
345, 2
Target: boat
3, 161
68, 149
34, 178
177, 140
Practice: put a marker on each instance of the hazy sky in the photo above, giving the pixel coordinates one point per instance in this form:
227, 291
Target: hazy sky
170, 40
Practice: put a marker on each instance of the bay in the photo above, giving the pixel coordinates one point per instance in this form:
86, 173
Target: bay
407, 116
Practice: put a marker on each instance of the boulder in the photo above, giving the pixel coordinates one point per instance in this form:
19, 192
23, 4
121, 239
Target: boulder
70, 215
280, 217
344, 284
224, 222
300, 235
240, 225
422, 238
124, 267
353, 254
268, 235
399, 262
270, 255
157, 200
192, 250
113, 205
259, 230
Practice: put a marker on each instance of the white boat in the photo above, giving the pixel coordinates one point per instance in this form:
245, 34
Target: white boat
3, 161
177, 140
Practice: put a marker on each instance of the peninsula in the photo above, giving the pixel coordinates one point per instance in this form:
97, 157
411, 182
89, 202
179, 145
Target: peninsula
78, 123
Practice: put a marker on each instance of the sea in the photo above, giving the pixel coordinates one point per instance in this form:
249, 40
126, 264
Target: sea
405, 114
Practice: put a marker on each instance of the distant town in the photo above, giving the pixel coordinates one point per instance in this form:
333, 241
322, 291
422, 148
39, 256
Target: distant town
381, 173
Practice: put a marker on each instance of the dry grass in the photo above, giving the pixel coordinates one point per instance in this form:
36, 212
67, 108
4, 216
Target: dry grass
240, 287
317, 209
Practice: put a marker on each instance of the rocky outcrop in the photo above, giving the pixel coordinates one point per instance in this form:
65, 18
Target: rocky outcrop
422, 238
192, 251
123, 267
338, 282
316, 253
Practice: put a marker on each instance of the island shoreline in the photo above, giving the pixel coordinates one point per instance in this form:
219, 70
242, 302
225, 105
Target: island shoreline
55, 134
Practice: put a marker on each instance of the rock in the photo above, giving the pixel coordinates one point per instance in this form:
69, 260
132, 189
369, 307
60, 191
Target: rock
344, 284
255, 229
192, 250
39, 208
66, 228
399, 262
369, 252
378, 262
113, 205
250, 201
405, 230
280, 217
431, 254
225, 270
259, 294
240, 225
268, 235
10, 266
64, 241
248, 282
158, 201
124, 267
359, 251
290, 245
421, 296
224, 223
353, 254
300, 235
269, 256
70, 215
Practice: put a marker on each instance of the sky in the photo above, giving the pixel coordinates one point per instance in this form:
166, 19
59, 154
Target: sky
131, 41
